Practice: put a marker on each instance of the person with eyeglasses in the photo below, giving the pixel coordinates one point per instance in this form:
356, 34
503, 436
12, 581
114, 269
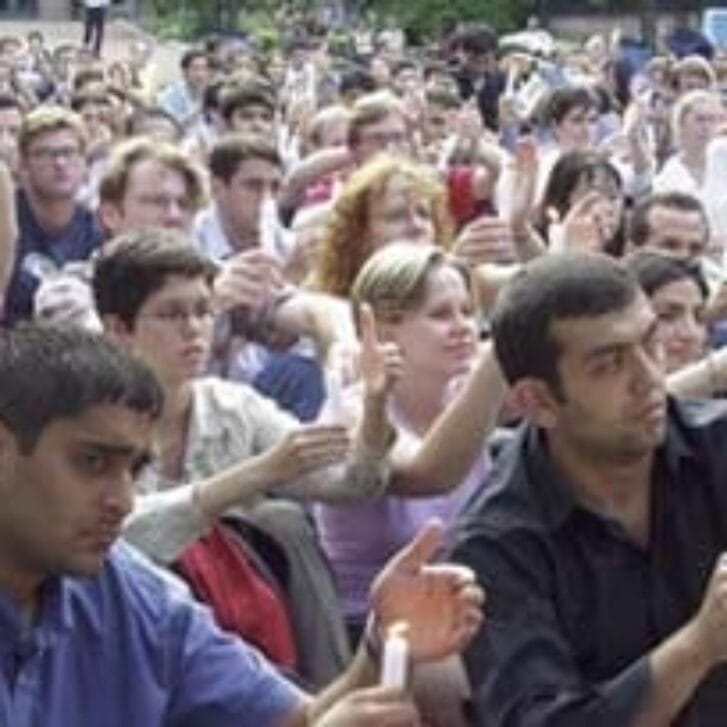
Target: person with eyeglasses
145, 184
53, 229
221, 445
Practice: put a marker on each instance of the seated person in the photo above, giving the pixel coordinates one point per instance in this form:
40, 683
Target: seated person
92, 633
153, 291
602, 535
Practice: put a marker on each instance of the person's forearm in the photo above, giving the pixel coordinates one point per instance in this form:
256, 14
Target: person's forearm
677, 667
309, 170
375, 433
8, 226
457, 437
324, 318
701, 379
528, 243
361, 672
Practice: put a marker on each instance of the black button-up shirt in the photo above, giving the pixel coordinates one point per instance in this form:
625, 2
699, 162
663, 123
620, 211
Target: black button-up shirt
574, 604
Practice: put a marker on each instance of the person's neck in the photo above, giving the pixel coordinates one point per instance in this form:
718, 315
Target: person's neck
172, 429
177, 403
22, 586
419, 400
238, 240
694, 159
616, 489
52, 215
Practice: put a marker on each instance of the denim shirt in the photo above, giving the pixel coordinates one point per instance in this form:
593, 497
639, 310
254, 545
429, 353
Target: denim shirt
129, 648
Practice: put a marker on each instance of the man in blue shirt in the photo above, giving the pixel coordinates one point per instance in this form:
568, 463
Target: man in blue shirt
90, 633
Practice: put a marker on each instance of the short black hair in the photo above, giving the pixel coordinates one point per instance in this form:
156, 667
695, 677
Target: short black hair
654, 269
232, 150
563, 100
478, 39
639, 228
135, 265
11, 101
552, 288
58, 372
567, 173
190, 56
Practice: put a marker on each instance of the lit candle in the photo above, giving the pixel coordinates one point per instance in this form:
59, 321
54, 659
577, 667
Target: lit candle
396, 656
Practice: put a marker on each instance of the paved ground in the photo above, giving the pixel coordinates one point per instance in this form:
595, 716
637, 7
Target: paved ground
118, 35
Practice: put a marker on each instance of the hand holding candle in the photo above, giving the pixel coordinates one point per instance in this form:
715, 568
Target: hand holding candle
440, 603
395, 664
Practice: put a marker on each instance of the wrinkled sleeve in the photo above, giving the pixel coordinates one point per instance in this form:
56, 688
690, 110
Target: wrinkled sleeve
162, 524
521, 666
363, 475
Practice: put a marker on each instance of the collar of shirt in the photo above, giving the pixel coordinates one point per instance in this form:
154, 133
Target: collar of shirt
54, 618
556, 496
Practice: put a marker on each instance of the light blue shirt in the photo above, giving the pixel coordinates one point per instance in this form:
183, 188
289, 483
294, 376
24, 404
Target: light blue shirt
128, 648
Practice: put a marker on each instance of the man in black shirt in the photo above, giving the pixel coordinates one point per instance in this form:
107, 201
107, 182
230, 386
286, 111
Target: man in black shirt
600, 540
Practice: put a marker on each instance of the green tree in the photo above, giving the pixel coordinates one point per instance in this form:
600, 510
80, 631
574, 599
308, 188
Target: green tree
425, 18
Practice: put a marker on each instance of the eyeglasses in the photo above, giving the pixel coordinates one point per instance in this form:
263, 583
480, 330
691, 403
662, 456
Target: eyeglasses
164, 202
47, 153
179, 316
382, 139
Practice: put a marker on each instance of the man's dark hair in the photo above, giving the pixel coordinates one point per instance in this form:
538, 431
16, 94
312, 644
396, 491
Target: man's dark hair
639, 229
135, 265
11, 101
51, 372
654, 269
563, 100
549, 289
239, 94
229, 152
478, 39
190, 56
356, 80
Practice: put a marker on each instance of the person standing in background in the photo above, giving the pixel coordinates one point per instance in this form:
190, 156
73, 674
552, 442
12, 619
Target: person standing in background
93, 24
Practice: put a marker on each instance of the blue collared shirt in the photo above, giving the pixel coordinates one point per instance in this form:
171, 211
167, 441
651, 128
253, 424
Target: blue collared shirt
129, 648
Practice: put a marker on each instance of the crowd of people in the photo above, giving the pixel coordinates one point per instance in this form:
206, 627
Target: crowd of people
265, 322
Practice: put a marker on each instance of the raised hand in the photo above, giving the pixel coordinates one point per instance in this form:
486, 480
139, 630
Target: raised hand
524, 181
248, 279
380, 364
486, 239
441, 603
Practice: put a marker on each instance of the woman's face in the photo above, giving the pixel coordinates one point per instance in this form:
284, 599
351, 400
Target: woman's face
173, 330
399, 212
679, 306
699, 125
438, 339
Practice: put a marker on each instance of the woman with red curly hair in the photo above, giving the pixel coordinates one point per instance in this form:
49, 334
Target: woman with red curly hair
386, 200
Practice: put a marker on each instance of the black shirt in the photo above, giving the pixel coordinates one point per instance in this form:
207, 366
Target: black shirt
574, 604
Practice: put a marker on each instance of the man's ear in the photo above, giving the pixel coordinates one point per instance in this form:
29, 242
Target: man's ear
8, 448
110, 217
115, 327
534, 399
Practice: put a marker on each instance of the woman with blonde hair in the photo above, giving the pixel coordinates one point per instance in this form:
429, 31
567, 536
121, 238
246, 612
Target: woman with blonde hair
421, 301
695, 119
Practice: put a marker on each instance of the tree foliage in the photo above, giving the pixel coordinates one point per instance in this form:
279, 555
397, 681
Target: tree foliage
422, 19
425, 18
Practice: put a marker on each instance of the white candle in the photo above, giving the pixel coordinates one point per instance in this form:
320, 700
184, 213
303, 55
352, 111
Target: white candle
395, 664
268, 224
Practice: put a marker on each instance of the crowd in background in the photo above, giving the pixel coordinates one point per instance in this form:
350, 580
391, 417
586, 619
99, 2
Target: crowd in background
305, 245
